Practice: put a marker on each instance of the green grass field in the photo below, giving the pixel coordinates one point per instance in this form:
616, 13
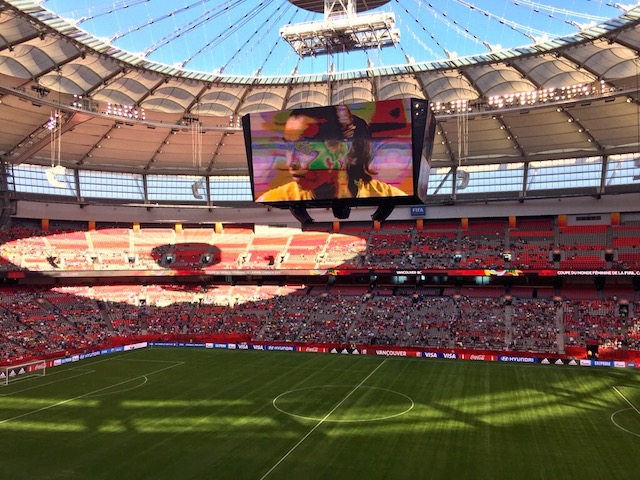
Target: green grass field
192, 413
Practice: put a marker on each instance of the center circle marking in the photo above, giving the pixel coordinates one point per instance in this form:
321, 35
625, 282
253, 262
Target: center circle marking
356, 420
613, 415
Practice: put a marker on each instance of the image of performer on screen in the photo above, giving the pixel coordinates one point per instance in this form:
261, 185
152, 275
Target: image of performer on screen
329, 155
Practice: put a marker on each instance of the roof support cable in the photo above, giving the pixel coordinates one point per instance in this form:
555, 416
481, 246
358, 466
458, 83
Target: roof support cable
539, 7
231, 30
268, 29
286, 58
525, 30
111, 8
637, 104
449, 23
417, 39
202, 19
270, 53
165, 16
418, 23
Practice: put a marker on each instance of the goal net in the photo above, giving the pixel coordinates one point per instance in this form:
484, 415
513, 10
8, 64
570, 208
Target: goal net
11, 373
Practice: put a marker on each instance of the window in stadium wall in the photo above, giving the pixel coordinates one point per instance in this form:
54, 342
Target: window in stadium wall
112, 185
436, 178
504, 177
33, 179
170, 188
566, 173
232, 188
184, 188
623, 169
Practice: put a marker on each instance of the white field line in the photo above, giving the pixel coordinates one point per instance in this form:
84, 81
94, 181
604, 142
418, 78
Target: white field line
322, 420
620, 426
623, 410
122, 390
62, 402
120, 358
627, 400
125, 359
39, 385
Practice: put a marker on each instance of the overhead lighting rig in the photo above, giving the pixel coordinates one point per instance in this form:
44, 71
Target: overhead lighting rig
342, 30
41, 91
125, 111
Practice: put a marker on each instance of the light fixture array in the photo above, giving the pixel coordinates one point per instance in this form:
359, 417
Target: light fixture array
125, 111
522, 99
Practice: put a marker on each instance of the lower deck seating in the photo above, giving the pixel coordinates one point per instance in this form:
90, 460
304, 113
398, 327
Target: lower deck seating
41, 321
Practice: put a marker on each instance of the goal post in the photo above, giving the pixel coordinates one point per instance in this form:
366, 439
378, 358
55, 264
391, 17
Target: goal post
10, 373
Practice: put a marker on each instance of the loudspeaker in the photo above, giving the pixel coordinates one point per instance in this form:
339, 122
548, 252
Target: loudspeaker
301, 214
341, 210
51, 173
195, 189
382, 213
463, 179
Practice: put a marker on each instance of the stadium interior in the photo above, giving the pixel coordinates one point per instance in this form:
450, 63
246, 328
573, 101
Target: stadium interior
127, 212
319, 239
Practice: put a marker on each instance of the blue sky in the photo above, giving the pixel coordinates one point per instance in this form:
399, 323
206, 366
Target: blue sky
242, 36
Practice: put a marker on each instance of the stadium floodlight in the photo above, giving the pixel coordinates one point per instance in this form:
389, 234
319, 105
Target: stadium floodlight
23, 370
51, 174
344, 33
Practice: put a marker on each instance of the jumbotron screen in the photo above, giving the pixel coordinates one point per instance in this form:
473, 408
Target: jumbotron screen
357, 153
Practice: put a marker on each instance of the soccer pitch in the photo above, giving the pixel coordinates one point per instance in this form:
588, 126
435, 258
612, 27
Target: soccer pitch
196, 413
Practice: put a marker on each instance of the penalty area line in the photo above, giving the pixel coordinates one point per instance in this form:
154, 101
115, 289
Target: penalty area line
44, 384
627, 400
321, 421
63, 402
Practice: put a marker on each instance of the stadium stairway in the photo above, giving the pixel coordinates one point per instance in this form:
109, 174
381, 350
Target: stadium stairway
265, 323
354, 322
560, 329
508, 325
89, 241
61, 317
104, 314
190, 315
